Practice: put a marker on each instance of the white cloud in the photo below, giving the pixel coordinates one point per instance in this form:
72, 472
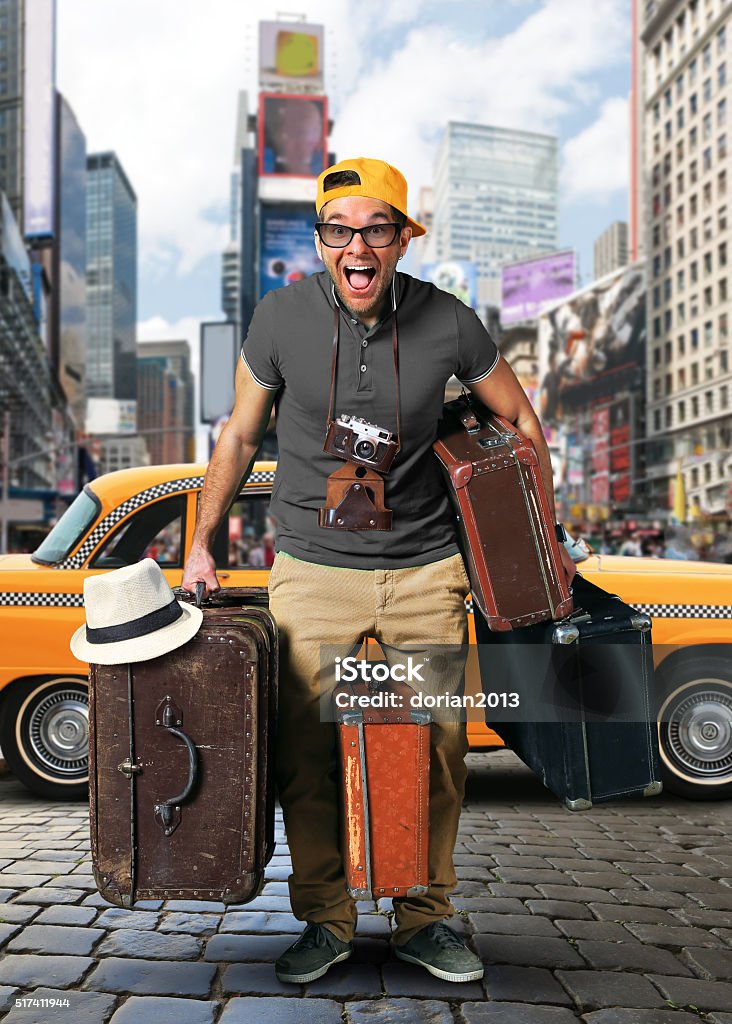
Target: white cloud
158, 83
528, 79
596, 162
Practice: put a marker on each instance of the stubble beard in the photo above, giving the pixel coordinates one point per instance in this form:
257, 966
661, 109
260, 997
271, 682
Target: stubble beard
377, 307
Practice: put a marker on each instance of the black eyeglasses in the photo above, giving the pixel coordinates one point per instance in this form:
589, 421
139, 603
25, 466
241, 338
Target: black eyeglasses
337, 236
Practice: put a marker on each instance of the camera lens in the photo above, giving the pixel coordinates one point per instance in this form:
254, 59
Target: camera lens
365, 449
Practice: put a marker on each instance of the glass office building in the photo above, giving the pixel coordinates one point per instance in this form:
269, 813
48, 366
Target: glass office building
496, 199
71, 255
11, 104
111, 280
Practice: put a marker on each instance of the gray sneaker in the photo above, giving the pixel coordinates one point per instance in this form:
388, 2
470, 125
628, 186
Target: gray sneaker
441, 952
311, 956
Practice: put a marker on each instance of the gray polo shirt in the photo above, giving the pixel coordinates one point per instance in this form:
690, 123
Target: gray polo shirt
288, 349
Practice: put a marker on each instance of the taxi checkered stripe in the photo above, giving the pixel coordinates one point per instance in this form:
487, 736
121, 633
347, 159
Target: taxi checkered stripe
189, 483
686, 611
37, 599
668, 611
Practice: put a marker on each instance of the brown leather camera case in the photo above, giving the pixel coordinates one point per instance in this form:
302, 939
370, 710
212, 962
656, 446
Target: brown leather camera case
355, 501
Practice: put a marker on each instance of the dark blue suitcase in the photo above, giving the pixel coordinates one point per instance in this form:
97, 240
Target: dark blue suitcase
587, 722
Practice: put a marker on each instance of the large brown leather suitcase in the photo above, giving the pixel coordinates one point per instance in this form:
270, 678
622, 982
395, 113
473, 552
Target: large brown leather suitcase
181, 772
385, 765
504, 519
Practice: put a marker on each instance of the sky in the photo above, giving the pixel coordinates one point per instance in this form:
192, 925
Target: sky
158, 84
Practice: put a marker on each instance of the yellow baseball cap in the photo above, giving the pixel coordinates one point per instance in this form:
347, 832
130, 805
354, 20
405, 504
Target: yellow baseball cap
377, 180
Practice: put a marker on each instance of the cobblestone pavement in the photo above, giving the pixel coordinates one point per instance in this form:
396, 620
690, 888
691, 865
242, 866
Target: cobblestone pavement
617, 915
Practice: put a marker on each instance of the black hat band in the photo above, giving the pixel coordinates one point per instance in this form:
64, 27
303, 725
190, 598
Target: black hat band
135, 627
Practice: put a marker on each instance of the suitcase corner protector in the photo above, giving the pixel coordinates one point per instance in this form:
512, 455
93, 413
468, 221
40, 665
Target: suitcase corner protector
417, 890
360, 894
653, 789
580, 804
110, 890
641, 621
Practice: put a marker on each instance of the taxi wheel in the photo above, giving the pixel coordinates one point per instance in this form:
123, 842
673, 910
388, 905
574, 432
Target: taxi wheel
44, 735
695, 729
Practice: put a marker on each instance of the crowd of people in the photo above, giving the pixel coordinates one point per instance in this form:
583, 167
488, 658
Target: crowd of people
691, 543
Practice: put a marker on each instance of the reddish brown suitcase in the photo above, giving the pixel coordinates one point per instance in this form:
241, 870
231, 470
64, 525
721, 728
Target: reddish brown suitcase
504, 520
180, 779
385, 762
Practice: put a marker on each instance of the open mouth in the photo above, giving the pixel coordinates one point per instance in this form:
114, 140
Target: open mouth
359, 277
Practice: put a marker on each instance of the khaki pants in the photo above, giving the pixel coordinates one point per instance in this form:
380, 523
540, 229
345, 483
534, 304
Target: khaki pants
318, 605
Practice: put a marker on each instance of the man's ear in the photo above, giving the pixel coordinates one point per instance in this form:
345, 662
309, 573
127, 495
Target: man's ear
404, 238
318, 248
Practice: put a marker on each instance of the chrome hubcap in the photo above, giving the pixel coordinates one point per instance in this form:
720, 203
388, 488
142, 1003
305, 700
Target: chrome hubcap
698, 729
58, 728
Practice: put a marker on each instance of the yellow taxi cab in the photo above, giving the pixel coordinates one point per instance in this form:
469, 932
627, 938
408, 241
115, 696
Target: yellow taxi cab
151, 511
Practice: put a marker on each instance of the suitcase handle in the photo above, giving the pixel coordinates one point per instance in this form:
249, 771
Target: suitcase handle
167, 812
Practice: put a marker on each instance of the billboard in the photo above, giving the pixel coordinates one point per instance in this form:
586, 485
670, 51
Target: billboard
593, 344
600, 429
290, 54
286, 247
111, 416
528, 286
293, 135
219, 352
459, 278
39, 143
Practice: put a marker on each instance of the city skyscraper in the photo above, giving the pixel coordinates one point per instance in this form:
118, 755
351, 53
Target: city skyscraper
231, 256
496, 199
68, 298
686, 167
11, 104
165, 400
611, 249
111, 285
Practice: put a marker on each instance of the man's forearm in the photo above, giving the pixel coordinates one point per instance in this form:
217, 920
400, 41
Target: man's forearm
230, 465
531, 428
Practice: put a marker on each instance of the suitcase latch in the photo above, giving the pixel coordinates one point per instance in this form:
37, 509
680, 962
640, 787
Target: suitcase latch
128, 768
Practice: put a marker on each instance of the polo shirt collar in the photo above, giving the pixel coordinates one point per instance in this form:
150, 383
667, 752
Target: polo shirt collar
397, 292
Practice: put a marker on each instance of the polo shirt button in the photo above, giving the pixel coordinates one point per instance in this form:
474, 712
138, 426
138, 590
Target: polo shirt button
363, 368
365, 343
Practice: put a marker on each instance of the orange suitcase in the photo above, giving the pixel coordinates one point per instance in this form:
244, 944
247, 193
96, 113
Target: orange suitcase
385, 767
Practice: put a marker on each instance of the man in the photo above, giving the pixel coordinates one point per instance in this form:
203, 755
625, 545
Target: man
404, 585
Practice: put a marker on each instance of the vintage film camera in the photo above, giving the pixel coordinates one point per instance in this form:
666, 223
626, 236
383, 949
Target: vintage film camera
355, 440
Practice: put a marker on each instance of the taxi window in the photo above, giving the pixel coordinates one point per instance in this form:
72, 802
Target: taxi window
246, 538
153, 532
69, 530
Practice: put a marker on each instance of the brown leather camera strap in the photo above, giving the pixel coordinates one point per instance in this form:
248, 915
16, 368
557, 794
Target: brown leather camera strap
334, 367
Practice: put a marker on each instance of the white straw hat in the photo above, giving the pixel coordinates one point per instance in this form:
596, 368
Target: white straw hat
132, 615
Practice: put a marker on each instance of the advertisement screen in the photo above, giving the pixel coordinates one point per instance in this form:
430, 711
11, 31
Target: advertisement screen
293, 135
528, 286
290, 53
39, 115
585, 342
219, 352
286, 249
459, 278
111, 416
